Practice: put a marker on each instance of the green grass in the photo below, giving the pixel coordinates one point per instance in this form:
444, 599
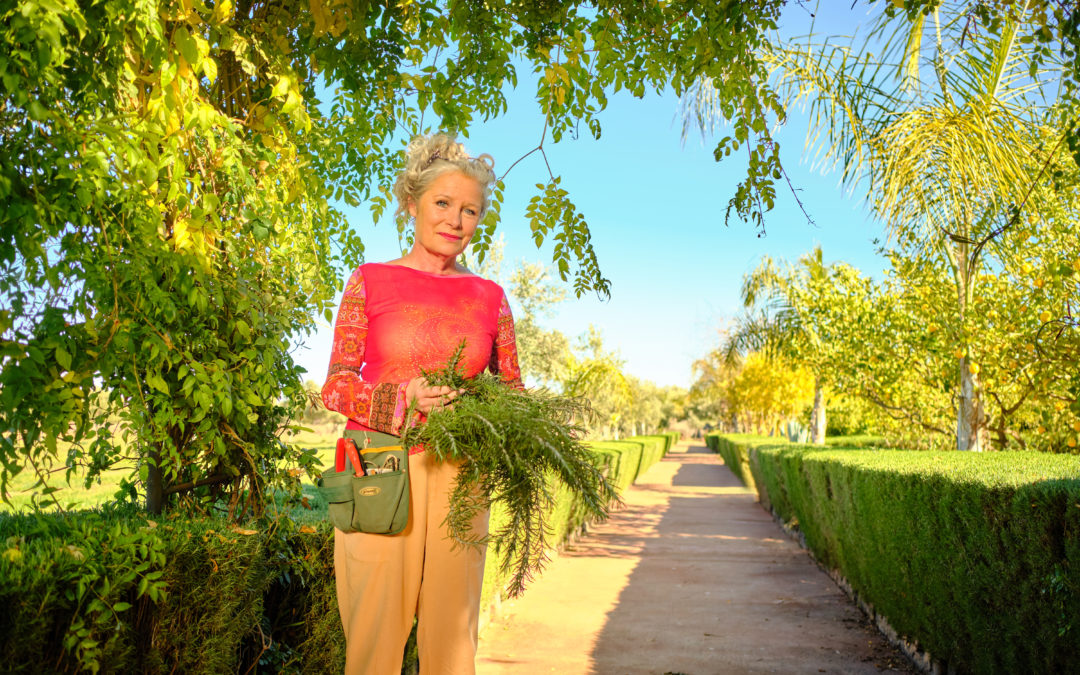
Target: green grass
73, 494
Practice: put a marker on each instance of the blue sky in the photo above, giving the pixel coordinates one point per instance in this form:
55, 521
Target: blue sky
656, 211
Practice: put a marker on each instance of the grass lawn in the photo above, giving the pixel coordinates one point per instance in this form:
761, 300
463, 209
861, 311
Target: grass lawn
103, 489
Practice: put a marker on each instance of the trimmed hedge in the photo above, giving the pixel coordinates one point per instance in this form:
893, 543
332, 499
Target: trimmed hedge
734, 449
973, 556
117, 592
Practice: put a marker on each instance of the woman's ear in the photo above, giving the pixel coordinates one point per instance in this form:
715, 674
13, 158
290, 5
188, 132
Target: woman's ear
412, 207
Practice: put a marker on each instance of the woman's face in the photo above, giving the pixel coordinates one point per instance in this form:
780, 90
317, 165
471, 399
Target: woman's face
447, 213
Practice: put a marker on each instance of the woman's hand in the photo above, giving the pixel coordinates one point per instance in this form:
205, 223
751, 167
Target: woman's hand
428, 397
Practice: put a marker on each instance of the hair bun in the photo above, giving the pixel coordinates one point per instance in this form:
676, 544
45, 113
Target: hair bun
426, 158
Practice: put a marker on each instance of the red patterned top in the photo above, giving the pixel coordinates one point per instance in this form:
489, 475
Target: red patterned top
394, 321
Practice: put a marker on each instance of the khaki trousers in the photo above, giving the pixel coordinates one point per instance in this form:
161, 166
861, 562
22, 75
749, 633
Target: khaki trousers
383, 581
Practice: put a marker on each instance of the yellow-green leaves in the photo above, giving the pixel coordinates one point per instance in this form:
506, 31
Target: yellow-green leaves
188, 46
223, 11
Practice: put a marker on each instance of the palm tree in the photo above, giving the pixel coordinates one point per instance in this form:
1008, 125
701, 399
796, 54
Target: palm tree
950, 162
796, 314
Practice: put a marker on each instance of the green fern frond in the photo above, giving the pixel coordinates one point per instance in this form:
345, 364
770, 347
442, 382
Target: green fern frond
509, 445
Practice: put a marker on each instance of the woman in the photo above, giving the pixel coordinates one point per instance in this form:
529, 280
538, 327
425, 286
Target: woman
397, 318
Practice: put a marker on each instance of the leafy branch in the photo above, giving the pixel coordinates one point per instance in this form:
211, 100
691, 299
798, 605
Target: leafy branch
513, 446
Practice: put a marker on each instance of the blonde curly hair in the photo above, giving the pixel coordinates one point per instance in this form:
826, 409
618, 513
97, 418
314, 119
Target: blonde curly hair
427, 158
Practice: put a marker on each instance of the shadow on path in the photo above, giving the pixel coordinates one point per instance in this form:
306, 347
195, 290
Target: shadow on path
720, 589
691, 577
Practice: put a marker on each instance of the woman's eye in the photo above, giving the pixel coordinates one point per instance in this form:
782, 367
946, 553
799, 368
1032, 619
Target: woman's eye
471, 212
442, 202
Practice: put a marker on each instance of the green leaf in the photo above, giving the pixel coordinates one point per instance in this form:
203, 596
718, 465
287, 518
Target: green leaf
36, 110
209, 68
188, 47
63, 358
155, 381
280, 87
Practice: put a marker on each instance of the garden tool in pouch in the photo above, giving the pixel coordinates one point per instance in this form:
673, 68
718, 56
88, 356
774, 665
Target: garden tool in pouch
368, 488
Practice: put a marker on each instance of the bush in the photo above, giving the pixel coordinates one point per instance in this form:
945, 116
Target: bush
734, 449
116, 591
121, 593
974, 556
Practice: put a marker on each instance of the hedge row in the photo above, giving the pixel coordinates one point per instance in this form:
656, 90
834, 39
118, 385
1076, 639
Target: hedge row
622, 462
118, 592
733, 449
113, 591
975, 557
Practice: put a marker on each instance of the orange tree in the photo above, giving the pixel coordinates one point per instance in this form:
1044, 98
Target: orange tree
954, 163
1016, 339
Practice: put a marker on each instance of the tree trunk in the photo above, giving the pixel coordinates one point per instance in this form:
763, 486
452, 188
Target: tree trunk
970, 417
155, 494
817, 417
734, 423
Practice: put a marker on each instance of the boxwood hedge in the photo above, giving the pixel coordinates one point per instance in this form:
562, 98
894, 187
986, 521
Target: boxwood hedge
973, 556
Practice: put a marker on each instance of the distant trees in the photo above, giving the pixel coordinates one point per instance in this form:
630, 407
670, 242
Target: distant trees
623, 404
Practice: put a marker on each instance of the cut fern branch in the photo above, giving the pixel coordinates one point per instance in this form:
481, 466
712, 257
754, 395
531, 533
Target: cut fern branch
509, 444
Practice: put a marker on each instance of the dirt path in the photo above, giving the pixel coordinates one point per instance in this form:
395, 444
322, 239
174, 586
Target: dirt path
691, 577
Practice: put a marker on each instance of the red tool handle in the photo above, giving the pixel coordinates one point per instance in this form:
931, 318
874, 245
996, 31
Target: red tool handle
346, 447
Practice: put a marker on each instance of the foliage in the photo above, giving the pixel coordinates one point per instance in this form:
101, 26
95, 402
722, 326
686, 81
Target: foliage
734, 449
543, 354
117, 592
164, 242
509, 444
971, 556
950, 121
965, 170
765, 392
712, 377
170, 180
804, 312
316, 415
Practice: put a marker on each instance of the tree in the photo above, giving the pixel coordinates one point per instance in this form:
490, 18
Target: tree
597, 375
544, 354
955, 166
708, 394
767, 391
904, 352
170, 180
812, 305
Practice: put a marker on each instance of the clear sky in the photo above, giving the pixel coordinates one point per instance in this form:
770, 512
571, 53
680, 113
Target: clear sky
656, 211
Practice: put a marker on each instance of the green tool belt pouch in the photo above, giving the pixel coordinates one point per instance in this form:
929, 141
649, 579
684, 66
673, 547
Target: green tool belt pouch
376, 503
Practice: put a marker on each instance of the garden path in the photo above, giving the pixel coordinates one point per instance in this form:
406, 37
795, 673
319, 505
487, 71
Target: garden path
690, 577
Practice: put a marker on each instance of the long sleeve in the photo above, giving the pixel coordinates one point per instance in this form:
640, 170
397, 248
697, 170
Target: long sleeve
504, 358
376, 405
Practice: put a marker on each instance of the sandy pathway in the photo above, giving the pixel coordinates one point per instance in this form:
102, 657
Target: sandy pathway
691, 577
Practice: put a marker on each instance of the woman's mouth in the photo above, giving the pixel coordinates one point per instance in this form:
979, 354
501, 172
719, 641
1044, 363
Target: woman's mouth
449, 237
